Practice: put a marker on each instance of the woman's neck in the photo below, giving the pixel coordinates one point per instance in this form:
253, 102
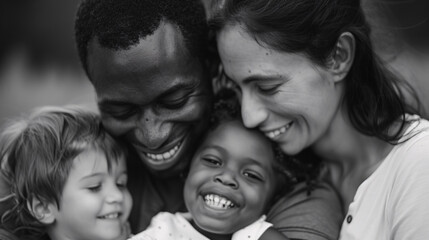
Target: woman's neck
350, 157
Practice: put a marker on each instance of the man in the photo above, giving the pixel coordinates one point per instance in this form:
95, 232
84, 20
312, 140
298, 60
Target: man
147, 61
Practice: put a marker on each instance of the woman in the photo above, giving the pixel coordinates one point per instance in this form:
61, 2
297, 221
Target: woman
308, 78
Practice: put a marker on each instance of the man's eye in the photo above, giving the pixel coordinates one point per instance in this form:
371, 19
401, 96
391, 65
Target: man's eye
175, 103
123, 114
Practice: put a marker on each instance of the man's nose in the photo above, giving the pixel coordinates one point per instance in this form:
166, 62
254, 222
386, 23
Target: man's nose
152, 131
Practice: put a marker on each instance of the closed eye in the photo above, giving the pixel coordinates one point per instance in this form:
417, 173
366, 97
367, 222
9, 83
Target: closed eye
268, 89
95, 188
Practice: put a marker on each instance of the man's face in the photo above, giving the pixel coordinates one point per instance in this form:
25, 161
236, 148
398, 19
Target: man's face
155, 95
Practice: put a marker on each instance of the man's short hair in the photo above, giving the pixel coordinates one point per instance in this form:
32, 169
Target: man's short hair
120, 24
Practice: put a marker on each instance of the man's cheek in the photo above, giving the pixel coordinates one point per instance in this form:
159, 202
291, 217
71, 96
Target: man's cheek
115, 127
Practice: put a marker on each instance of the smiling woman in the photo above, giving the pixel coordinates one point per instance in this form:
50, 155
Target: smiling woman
309, 79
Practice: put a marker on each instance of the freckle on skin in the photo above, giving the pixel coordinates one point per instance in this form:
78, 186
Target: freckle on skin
249, 71
267, 53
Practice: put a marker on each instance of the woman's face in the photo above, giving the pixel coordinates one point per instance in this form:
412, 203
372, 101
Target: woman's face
287, 96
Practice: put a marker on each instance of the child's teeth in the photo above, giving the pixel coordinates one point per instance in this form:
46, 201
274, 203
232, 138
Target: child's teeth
217, 201
111, 216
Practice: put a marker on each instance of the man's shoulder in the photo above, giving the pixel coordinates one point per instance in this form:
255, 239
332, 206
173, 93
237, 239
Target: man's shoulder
304, 215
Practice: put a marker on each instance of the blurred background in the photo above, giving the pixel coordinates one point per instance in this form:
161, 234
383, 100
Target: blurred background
39, 64
38, 60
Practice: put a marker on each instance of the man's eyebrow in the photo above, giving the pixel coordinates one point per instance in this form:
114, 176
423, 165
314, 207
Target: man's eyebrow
109, 102
180, 86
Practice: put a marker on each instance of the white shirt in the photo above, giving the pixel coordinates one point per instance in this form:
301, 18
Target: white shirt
393, 203
166, 226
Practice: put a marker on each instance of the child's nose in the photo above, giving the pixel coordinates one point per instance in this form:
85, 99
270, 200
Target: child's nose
115, 195
227, 178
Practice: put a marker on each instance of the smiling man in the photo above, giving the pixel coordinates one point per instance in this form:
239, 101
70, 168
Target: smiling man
146, 62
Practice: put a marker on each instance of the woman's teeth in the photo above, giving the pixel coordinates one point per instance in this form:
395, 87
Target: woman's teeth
216, 201
164, 156
275, 133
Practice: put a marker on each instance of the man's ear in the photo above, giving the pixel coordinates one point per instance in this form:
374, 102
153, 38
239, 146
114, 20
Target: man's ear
43, 211
342, 57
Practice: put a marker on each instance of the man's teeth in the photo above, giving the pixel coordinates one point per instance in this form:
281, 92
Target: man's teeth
164, 156
275, 133
110, 216
216, 201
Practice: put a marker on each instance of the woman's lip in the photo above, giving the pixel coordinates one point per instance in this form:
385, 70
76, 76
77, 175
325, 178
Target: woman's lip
278, 131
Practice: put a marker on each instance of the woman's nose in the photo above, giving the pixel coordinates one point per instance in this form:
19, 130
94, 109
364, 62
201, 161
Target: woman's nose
252, 110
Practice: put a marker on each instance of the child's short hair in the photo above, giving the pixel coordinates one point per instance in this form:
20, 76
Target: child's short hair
37, 154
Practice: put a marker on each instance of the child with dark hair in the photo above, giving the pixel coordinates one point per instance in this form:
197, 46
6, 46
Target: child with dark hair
67, 177
234, 178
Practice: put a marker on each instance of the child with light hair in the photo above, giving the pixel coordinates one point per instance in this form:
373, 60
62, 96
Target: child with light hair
66, 177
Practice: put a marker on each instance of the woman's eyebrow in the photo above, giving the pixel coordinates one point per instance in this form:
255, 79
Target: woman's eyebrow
260, 77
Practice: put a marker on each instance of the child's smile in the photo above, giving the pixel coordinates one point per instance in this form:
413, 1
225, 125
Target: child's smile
218, 202
231, 179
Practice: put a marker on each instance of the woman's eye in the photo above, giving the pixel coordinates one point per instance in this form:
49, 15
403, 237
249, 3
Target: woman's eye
211, 161
253, 176
268, 89
95, 188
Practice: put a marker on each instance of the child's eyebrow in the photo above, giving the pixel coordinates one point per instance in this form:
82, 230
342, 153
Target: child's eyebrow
213, 146
97, 174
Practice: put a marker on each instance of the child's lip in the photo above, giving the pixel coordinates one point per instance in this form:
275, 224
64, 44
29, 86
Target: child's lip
111, 216
222, 194
218, 201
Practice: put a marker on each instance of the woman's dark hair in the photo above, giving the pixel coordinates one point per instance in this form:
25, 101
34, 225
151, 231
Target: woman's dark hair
373, 95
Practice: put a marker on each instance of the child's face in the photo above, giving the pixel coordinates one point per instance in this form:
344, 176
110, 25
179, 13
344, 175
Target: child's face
95, 203
231, 179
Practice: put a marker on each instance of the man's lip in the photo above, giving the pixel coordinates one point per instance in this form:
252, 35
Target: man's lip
163, 149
